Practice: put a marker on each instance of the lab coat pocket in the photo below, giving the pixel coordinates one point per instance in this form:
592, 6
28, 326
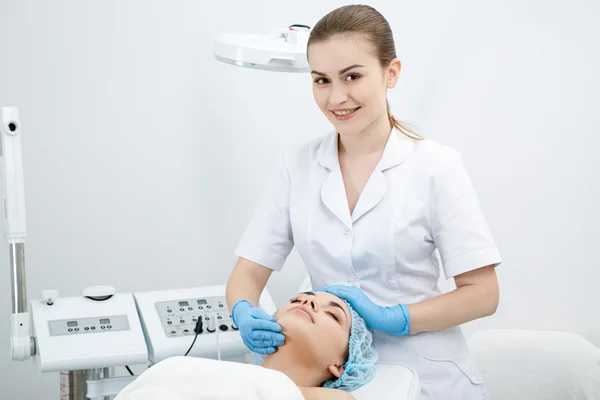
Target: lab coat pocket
445, 354
444, 369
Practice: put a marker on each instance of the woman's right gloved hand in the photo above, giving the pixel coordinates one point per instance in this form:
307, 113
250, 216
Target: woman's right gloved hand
259, 331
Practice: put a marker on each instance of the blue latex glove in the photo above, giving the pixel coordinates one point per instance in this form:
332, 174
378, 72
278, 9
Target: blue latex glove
259, 331
394, 320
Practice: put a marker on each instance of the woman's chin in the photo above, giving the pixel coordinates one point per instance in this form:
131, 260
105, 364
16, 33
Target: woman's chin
347, 130
295, 326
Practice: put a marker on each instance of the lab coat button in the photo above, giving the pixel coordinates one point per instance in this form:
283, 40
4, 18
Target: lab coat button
348, 234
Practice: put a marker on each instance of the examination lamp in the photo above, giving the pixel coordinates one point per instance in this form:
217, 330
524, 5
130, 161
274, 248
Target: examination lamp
281, 50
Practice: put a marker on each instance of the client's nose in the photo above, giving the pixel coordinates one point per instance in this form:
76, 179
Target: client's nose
310, 302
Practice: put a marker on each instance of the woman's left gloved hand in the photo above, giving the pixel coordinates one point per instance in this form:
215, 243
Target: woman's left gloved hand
394, 320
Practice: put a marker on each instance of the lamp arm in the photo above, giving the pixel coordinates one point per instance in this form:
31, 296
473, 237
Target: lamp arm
11, 174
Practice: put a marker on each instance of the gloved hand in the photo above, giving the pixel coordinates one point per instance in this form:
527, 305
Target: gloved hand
394, 320
259, 331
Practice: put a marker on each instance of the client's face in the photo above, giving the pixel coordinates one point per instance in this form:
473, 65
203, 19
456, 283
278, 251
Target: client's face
319, 325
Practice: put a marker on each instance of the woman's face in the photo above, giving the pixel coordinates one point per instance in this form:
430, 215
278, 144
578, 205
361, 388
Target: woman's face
349, 84
319, 323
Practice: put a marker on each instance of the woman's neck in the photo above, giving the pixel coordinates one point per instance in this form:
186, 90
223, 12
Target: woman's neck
371, 141
296, 365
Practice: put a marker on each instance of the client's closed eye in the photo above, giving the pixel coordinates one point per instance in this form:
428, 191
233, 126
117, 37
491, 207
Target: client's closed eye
334, 316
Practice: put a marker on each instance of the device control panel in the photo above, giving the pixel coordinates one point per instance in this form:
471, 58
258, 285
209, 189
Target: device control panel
170, 316
179, 317
78, 326
75, 333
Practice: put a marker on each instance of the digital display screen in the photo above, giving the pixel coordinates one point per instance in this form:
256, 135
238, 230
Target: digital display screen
71, 324
202, 302
183, 304
104, 321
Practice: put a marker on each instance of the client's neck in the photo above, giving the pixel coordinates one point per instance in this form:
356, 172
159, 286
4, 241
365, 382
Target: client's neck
296, 365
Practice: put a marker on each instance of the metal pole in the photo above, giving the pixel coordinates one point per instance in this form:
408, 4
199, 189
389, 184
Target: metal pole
94, 375
77, 385
17, 277
107, 373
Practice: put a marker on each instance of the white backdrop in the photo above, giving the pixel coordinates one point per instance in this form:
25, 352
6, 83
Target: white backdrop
144, 158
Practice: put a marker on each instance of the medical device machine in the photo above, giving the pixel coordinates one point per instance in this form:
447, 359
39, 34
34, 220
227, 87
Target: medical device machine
84, 337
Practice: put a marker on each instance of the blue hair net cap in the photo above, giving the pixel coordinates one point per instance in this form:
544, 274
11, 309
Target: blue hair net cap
360, 367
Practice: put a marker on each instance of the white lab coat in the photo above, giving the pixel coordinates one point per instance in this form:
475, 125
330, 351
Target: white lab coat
418, 208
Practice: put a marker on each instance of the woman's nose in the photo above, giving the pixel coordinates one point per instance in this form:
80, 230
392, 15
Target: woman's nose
310, 302
338, 95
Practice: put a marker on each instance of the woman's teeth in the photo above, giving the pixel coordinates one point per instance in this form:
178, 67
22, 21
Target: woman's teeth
346, 112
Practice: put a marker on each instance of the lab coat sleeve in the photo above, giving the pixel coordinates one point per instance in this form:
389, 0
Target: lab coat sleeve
268, 238
458, 226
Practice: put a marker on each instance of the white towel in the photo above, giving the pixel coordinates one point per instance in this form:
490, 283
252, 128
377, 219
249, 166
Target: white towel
188, 378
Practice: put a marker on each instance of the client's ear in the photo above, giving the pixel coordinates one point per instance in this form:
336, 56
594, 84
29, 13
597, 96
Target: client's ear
336, 370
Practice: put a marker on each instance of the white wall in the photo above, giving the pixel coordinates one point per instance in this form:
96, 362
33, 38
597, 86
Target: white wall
144, 157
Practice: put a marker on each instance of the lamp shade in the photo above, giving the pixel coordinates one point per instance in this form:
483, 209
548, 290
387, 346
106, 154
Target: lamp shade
281, 50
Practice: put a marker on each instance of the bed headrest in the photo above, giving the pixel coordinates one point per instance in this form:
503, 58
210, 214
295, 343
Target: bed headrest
393, 382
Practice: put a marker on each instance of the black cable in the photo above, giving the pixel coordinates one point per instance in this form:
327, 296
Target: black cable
198, 329
131, 373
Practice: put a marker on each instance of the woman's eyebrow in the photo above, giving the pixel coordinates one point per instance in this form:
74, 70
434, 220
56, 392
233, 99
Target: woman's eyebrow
341, 71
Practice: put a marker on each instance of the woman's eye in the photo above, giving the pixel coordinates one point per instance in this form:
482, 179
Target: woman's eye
294, 301
353, 76
321, 81
334, 316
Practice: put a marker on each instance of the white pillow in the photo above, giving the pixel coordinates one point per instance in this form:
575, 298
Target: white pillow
530, 364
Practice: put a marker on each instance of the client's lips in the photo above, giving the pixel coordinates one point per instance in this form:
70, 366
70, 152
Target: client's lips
303, 309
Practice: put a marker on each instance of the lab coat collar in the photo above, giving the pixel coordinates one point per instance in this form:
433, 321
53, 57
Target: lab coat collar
327, 154
397, 148
333, 192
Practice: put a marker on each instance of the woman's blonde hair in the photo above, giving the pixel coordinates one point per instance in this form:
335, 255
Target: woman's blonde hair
368, 22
